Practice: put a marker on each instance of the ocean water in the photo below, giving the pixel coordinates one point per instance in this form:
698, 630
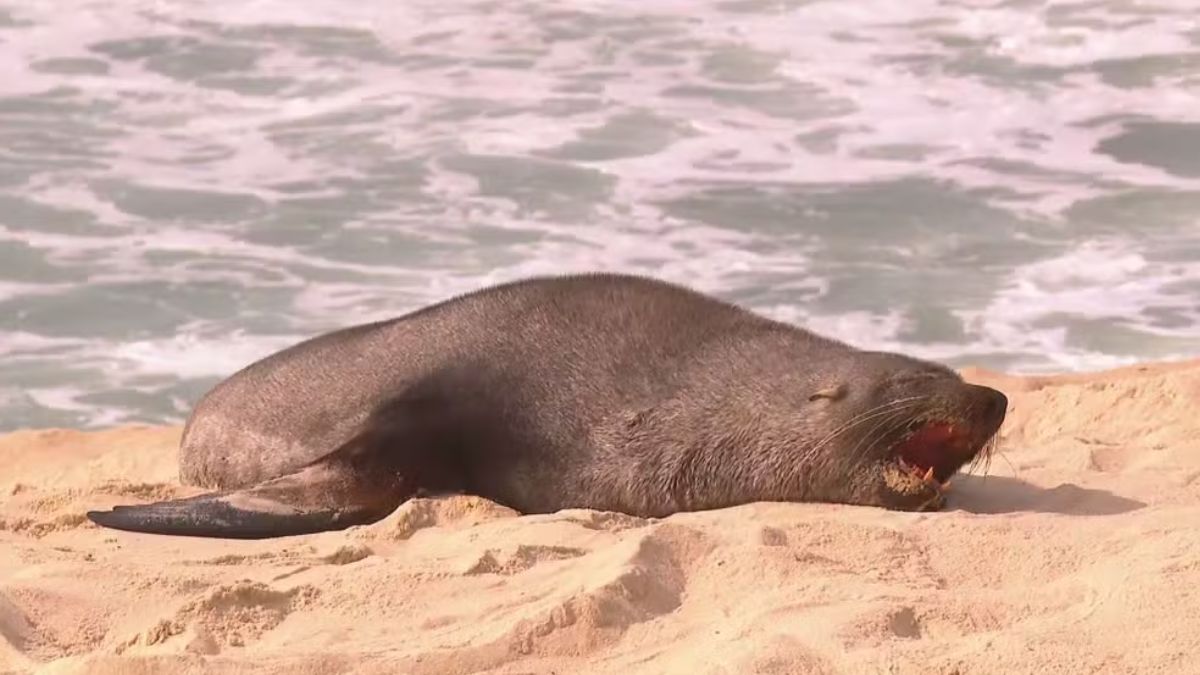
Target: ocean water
188, 186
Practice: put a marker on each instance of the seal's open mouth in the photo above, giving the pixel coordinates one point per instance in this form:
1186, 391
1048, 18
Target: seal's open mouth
935, 449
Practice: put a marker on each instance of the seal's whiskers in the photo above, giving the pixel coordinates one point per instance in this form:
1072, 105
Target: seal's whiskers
873, 413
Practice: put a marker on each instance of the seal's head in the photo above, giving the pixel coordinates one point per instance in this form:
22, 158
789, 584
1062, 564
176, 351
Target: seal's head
901, 427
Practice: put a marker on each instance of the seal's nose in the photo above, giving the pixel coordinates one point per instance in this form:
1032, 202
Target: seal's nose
995, 404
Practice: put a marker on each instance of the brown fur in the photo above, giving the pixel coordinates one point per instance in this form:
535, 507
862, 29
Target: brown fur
601, 391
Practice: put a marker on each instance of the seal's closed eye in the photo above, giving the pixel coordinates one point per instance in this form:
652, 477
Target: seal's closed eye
833, 393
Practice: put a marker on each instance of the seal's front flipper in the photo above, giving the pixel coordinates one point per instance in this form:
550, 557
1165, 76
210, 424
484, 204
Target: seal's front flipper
351, 486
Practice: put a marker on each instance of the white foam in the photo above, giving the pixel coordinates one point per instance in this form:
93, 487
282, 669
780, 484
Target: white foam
1099, 279
1105, 280
149, 129
187, 356
15, 344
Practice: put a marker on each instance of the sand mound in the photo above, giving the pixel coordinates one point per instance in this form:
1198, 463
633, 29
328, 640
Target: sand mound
1078, 552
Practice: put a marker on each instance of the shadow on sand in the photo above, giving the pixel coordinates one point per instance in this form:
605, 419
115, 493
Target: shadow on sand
1001, 494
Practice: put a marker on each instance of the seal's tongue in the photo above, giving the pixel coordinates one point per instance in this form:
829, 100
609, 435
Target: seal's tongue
931, 448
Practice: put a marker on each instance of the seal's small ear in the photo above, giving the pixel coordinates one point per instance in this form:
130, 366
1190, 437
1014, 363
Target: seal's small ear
833, 393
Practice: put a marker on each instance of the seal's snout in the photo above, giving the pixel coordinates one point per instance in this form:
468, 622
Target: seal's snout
935, 443
994, 405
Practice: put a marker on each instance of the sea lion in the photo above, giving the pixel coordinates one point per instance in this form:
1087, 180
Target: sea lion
598, 391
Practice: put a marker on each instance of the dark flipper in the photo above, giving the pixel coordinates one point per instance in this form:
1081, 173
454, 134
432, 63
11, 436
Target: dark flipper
219, 515
356, 484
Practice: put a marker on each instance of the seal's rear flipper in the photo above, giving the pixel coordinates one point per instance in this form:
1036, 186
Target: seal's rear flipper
232, 515
351, 486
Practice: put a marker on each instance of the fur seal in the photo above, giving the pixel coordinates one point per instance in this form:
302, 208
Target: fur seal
601, 391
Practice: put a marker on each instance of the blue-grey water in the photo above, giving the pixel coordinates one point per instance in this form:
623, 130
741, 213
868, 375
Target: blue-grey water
188, 186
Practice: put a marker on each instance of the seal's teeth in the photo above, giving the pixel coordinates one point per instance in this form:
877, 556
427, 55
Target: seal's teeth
946, 486
928, 477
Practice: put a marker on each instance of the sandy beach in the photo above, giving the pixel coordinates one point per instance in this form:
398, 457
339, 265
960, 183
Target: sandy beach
1079, 552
